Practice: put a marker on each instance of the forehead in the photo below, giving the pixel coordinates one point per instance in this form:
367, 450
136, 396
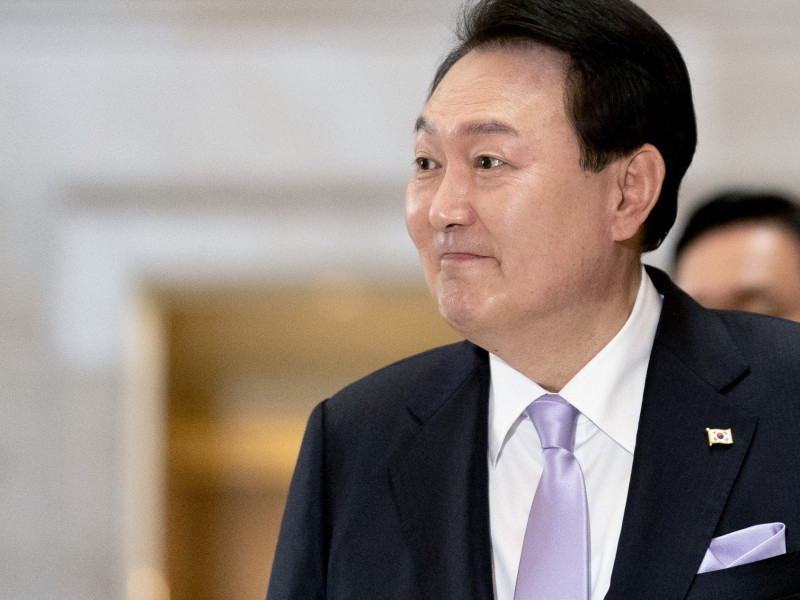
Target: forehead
749, 238
749, 251
507, 82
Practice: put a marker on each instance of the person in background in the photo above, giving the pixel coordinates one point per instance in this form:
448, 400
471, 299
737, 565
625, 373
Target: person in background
598, 434
740, 250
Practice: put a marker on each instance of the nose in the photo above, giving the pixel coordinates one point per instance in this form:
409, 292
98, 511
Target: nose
451, 205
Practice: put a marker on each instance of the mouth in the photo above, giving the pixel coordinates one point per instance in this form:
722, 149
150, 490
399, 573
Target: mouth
453, 250
462, 257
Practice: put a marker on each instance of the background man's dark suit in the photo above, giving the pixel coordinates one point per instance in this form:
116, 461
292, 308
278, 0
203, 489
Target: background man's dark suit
389, 499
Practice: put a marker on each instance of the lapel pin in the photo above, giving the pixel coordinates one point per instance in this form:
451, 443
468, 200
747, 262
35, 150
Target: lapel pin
719, 436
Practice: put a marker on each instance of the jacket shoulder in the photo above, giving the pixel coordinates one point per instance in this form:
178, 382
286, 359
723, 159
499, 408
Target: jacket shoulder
425, 376
767, 342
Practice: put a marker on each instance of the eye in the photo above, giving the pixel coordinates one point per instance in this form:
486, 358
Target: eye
488, 162
425, 164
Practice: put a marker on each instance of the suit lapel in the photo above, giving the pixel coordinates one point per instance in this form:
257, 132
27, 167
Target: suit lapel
440, 483
679, 484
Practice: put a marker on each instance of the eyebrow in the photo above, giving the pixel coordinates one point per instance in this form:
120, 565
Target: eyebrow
469, 129
422, 125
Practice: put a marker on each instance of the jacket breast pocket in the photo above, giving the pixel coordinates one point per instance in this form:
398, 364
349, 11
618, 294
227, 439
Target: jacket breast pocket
776, 578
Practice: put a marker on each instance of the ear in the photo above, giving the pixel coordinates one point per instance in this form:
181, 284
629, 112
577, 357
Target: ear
640, 178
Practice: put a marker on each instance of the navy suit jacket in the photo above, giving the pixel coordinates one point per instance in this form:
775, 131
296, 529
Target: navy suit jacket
389, 499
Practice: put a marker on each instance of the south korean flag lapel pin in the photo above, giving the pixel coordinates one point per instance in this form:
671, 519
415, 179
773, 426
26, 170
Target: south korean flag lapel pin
719, 436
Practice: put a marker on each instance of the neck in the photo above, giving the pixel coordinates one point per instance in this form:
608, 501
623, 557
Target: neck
551, 349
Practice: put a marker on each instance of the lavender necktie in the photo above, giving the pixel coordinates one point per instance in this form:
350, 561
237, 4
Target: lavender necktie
555, 554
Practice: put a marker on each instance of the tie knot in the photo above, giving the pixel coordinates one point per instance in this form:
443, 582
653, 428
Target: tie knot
555, 420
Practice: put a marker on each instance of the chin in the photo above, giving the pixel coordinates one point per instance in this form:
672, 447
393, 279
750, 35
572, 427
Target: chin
468, 308
464, 317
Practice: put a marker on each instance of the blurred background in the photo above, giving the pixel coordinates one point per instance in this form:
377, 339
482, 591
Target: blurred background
201, 236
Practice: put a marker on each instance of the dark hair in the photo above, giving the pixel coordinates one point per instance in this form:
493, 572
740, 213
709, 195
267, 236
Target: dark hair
740, 206
626, 84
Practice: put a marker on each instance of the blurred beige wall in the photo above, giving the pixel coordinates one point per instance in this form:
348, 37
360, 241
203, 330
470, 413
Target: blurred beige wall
185, 144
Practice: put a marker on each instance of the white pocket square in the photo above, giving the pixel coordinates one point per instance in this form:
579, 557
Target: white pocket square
758, 542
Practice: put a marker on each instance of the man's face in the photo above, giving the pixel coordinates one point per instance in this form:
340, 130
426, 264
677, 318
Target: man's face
508, 225
748, 266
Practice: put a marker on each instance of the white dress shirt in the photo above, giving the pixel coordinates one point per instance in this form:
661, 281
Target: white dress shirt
608, 393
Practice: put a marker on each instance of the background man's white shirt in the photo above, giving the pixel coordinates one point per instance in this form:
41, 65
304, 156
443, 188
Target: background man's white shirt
608, 392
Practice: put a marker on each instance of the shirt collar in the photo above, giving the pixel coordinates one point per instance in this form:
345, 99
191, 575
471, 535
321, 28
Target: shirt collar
607, 391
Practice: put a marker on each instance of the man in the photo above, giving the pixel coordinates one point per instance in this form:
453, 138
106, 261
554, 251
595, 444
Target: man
548, 158
741, 251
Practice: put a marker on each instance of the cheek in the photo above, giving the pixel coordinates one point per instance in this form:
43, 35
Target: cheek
548, 246
417, 223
